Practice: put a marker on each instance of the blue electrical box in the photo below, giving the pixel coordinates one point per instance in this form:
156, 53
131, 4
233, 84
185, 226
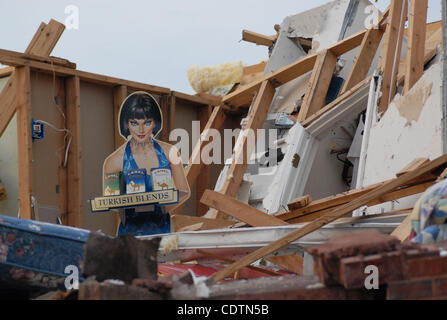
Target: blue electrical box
37, 130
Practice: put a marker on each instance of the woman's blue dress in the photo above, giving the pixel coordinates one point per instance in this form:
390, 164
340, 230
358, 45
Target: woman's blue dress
145, 223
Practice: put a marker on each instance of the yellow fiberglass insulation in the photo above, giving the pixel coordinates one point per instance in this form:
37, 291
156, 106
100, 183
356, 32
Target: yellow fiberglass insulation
204, 79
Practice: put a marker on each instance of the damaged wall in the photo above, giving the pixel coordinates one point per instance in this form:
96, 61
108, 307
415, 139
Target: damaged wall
411, 128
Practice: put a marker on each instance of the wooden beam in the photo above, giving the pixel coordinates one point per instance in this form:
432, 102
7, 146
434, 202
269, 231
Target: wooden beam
6, 72
392, 50
45, 39
334, 103
240, 210
402, 232
363, 59
330, 217
243, 151
315, 97
73, 101
172, 113
203, 181
119, 94
243, 96
416, 42
62, 169
7, 103
164, 106
24, 144
195, 163
398, 194
202, 99
8, 54
299, 202
257, 38
293, 262
83, 75
416, 163
341, 198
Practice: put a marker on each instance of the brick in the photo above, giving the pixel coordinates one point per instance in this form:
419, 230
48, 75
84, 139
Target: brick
427, 267
410, 289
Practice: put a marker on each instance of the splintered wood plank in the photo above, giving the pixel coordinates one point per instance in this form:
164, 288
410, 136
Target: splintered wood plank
73, 101
240, 210
203, 181
392, 50
45, 39
7, 103
363, 59
401, 193
416, 42
330, 217
257, 38
416, 163
318, 85
299, 202
24, 143
402, 232
119, 95
244, 149
335, 103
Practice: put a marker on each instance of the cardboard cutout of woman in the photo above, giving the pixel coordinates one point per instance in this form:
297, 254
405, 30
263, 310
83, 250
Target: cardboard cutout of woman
140, 121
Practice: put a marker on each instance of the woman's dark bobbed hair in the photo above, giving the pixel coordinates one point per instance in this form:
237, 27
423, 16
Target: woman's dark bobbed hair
139, 105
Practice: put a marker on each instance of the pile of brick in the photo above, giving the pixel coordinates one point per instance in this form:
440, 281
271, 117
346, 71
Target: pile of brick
406, 270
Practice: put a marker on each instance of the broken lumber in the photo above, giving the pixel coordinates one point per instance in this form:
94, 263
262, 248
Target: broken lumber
257, 38
416, 43
315, 97
363, 59
392, 50
299, 202
240, 210
330, 217
416, 163
243, 96
244, 149
401, 193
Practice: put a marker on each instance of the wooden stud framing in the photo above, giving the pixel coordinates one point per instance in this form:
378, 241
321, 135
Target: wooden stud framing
392, 50
330, 217
319, 82
73, 101
62, 170
364, 58
243, 151
24, 144
416, 42
164, 104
